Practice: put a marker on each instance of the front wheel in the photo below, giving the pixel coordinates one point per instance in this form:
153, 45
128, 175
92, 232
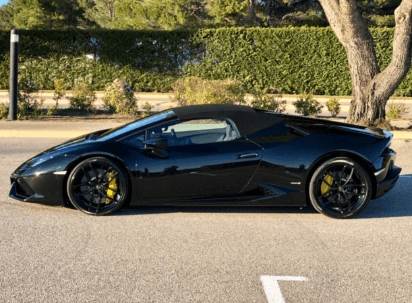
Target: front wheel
340, 188
97, 186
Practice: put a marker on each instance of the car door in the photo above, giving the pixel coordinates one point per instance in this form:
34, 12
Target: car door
205, 158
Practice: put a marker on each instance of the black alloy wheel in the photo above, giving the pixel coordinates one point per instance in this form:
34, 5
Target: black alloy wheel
340, 188
97, 186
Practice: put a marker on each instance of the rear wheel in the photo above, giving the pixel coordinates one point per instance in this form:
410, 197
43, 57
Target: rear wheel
97, 186
340, 188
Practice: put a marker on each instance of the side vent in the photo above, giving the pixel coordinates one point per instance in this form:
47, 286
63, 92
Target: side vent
23, 189
267, 191
297, 131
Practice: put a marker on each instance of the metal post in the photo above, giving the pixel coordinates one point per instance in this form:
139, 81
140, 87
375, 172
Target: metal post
14, 55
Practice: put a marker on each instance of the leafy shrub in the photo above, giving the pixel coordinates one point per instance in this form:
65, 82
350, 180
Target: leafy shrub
83, 97
119, 97
27, 97
307, 106
382, 21
21, 111
4, 111
396, 110
262, 100
37, 110
333, 106
27, 93
59, 91
51, 110
194, 90
147, 109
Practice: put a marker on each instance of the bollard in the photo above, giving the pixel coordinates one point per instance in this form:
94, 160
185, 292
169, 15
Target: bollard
14, 55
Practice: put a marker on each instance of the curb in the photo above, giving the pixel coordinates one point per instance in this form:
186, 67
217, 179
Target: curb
401, 135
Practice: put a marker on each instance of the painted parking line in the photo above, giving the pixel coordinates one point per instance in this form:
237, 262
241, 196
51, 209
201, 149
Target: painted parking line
405, 176
272, 288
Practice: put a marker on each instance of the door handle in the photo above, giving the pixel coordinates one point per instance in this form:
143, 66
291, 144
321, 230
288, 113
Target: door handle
245, 156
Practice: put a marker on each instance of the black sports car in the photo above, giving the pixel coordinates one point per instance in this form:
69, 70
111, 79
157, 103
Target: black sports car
215, 155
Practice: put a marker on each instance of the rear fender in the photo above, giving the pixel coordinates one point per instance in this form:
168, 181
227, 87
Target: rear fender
366, 164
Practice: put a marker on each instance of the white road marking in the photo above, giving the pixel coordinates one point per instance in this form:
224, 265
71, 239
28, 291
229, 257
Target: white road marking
405, 177
272, 289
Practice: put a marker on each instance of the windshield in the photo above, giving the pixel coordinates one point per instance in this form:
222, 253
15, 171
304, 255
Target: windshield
117, 131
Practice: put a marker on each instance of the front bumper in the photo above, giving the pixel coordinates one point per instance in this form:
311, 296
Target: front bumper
44, 188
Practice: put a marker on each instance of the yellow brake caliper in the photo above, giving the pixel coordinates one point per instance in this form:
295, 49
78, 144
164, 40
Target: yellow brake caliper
325, 188
111, 192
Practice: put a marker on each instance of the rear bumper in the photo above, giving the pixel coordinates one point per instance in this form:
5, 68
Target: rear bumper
389, 182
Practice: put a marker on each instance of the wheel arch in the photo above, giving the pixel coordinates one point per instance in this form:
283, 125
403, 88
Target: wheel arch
344, 153
109, 156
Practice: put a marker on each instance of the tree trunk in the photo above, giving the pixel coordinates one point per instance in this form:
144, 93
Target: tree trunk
371, 88
268, 13
256, 20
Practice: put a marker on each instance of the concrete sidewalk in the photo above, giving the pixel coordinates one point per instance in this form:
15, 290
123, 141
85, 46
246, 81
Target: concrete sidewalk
66, 130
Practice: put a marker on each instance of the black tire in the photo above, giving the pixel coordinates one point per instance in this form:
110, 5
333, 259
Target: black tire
340, 188
97, 186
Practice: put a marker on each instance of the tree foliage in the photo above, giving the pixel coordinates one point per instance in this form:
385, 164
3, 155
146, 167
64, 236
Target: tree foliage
44, 14
6, 16
179, 14
100, 12
229, 12
156, 14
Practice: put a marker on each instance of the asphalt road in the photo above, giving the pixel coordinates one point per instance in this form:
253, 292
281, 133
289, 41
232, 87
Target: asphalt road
165, 254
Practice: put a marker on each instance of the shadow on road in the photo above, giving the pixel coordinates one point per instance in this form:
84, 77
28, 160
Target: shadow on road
397, 203
148, 210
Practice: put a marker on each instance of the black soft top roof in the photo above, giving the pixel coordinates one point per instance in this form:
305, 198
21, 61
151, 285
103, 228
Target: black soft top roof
247, 119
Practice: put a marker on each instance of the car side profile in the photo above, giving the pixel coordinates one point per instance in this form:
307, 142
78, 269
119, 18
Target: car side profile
213, 155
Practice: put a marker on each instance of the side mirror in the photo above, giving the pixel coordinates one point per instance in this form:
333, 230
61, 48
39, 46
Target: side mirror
156, 143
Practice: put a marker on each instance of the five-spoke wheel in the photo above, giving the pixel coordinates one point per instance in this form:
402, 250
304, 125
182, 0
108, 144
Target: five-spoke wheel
340, 188
97, 186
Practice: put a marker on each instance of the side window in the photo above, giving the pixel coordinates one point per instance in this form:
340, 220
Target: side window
135, 140
197, 131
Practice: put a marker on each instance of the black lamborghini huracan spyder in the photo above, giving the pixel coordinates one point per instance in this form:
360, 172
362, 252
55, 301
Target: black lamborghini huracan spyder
215, 155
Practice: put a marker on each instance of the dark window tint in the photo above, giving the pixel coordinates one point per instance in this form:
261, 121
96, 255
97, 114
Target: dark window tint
118, 131
198, 131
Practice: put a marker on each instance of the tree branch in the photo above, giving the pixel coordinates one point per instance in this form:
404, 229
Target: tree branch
252, 13
392, 76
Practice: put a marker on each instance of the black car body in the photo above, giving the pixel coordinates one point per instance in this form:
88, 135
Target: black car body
251, 157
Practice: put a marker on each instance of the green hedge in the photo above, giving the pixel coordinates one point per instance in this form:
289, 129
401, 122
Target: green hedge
289, 60
149, 60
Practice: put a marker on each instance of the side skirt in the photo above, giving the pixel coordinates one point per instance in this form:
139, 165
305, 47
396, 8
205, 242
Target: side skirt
292, 199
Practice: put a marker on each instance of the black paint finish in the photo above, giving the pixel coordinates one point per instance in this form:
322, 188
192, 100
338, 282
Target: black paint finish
270, 163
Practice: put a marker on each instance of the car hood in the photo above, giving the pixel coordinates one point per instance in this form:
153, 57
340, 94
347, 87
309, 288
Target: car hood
87, 138
60, 149
313, 125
